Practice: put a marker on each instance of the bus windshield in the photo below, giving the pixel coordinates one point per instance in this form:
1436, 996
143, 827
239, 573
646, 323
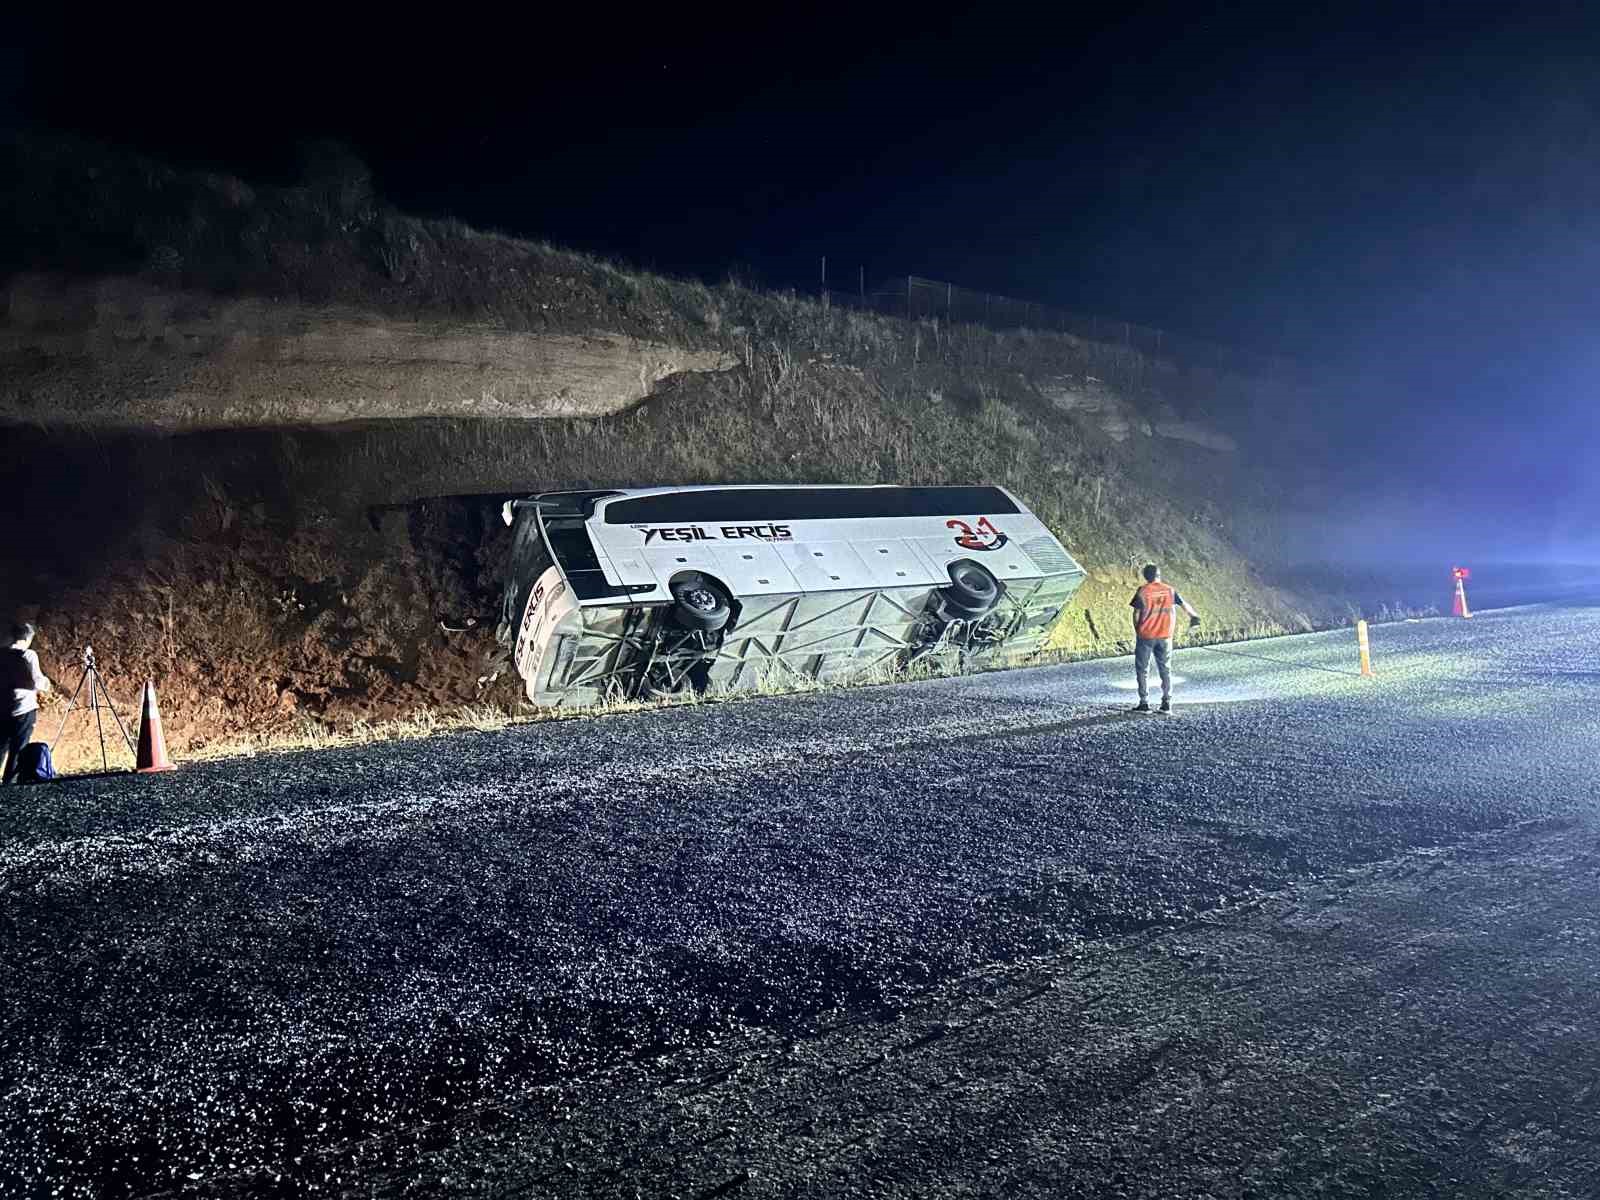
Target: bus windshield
530, 558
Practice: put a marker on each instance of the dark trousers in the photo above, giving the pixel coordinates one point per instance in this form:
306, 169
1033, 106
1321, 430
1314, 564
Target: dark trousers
15, 733
1159, 649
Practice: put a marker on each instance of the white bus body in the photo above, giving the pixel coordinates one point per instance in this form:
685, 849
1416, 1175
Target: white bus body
656, 591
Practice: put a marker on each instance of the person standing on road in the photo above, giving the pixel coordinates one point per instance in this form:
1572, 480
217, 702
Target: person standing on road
1154, 618
21, 681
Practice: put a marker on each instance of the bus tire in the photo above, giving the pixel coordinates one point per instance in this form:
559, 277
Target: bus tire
699, 603
973, 592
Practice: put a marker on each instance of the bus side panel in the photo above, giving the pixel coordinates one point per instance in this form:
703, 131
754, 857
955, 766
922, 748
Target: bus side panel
668, 560
752, 569
1007, 562
627, 563
896, 563
826, 566
893, 552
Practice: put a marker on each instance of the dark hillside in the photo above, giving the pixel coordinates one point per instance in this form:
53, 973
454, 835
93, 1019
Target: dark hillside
239, 417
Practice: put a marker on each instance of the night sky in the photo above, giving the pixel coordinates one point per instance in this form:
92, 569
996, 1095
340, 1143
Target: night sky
1409, 194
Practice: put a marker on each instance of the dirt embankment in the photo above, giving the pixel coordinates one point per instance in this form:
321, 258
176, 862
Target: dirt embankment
327, 361
262, 623
123, 353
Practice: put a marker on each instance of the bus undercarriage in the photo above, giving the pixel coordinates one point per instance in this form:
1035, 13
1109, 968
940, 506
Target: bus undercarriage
792, 641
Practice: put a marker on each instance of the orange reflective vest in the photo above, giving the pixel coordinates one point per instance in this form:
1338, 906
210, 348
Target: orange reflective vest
1155, 618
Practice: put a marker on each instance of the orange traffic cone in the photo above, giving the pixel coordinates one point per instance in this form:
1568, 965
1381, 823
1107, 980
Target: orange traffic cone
152, 743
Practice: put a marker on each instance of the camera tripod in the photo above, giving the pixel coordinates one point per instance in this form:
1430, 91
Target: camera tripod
98, 698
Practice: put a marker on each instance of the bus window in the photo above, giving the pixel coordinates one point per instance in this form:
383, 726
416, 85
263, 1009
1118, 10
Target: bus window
569, 539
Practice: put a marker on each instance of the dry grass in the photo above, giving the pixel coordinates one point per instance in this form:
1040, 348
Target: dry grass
1400, 611
309, 734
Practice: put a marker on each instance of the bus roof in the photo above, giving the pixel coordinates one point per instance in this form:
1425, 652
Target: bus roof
797, 502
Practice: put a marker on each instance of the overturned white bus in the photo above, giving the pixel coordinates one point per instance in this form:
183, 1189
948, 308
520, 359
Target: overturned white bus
658, 591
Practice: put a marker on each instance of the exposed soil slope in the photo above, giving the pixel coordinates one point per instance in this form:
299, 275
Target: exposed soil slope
122, 353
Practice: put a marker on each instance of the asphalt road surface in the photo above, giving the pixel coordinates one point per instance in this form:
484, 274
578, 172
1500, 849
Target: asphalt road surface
1312, 935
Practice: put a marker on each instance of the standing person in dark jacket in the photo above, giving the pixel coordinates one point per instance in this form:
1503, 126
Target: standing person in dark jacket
1154, 618
21, 681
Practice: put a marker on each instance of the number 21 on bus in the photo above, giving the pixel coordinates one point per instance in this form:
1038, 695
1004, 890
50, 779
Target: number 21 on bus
984, 537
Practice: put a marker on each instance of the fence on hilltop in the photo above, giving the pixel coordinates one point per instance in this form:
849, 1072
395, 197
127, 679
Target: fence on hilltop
916, 298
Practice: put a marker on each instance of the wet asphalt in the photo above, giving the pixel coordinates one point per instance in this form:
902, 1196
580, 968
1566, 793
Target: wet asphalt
211, 979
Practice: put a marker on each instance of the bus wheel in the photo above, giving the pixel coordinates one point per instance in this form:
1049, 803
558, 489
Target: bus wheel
973, 592
699, 603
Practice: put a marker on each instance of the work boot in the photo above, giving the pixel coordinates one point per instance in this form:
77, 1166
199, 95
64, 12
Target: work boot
1166, 704
1142, 706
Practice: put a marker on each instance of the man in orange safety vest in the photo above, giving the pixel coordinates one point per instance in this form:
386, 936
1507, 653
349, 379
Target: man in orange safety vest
1154, 611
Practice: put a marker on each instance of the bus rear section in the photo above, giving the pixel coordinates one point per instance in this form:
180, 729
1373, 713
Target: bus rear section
650, 593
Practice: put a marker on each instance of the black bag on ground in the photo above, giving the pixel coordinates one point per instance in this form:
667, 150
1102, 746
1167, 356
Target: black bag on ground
34, 765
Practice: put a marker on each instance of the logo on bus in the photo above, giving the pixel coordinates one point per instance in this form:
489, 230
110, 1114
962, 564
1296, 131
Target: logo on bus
984, 537
532, 609
697, 533
524, 646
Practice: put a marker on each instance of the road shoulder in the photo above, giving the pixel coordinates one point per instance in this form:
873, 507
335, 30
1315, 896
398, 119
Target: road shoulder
1422, 1026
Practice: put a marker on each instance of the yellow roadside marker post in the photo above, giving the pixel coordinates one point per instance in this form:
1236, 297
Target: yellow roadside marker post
1366, 649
